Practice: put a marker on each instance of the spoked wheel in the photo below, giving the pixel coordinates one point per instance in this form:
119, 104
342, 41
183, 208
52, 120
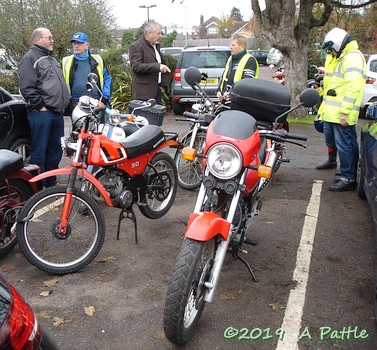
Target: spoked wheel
184, 303
190, 173
10, 207
161, 186
60, 251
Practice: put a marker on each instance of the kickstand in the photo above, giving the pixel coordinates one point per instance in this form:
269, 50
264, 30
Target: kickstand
127, 213
249, 267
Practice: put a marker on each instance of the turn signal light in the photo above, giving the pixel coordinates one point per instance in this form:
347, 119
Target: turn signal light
188, 153
265, 171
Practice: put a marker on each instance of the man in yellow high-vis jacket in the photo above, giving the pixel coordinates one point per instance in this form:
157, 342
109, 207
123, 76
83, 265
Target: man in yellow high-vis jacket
240, 65
76, 68
345, 74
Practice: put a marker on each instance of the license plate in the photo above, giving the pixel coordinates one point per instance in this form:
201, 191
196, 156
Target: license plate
209, 81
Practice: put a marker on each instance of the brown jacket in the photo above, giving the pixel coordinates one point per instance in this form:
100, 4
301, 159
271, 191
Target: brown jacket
145, 70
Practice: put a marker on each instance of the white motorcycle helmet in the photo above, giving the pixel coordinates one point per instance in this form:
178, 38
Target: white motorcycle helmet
336, 39
84, 107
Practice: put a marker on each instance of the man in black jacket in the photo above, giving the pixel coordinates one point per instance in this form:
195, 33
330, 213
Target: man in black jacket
43, 87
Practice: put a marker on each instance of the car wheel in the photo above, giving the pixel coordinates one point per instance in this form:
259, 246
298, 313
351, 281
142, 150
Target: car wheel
178, 108
360, 181
21, 146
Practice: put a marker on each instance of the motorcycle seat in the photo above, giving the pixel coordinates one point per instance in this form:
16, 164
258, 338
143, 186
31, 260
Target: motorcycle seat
143, 140
10, 162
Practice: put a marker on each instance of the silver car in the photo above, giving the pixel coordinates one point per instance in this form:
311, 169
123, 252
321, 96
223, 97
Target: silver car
208, 59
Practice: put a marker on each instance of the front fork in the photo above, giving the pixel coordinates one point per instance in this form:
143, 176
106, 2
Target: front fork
67, 202
222, 247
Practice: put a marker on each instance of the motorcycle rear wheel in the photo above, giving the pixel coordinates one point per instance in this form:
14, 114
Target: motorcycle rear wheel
19, 193
51, 251
161, 187
185, 297
190, 173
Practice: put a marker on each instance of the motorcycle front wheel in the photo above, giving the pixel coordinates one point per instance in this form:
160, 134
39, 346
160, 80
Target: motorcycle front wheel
185, 297
47, 248
190, 173
161, 187
19, 193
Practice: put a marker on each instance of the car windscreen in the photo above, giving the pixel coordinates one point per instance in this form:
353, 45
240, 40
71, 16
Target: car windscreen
205, 59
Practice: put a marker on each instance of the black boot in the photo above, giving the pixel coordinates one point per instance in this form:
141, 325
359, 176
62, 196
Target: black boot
331, 162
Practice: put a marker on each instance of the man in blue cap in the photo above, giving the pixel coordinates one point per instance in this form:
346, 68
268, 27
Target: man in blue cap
76, 68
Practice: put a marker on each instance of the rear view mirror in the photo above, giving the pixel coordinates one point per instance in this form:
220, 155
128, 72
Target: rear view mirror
193, 76
309, 97
93, 78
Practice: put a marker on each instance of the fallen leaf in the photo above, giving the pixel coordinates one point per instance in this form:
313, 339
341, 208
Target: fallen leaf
58, 321
45, 293
159, 334
45, 314
277, 306
227, 296
89, 310
8, 268
52, 282
107, 259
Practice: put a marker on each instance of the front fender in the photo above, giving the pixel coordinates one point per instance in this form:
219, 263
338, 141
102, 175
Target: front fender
81, 173
205, 225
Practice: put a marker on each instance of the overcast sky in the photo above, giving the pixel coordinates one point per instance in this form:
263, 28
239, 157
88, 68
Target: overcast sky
184, 15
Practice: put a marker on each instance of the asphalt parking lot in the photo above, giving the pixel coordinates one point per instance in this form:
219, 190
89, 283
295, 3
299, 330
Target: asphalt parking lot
117, 301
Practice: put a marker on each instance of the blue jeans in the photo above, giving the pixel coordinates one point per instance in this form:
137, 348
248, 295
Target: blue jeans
47, 128
345, 140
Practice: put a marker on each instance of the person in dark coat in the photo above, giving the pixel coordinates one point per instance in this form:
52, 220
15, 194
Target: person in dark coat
149, 70
43, 87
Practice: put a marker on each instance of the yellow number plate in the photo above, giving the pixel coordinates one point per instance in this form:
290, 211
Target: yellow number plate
211, 81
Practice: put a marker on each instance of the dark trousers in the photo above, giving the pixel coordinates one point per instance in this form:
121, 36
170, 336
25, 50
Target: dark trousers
47, 128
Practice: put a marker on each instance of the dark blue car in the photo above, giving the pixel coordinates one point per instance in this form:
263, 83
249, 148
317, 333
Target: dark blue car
367, 172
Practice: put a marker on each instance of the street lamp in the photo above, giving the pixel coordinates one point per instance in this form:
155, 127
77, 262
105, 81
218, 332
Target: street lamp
147, 7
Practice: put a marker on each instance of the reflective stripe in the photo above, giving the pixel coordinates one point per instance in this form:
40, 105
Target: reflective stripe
332, 103
349, 99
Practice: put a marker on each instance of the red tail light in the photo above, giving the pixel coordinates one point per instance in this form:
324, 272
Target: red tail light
177, 75
21, 323
370, 80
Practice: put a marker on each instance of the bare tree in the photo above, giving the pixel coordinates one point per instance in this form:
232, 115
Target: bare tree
287, 24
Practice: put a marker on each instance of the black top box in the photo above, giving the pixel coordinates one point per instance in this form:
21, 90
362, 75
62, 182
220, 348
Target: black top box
155, 114
264, 100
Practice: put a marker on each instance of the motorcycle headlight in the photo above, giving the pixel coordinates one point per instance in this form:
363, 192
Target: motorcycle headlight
224, 160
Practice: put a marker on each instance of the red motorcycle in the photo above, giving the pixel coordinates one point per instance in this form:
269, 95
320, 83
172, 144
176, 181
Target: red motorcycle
15, 189
61, 229
243, 147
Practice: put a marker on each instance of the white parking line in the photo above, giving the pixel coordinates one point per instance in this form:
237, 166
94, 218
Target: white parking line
295, 306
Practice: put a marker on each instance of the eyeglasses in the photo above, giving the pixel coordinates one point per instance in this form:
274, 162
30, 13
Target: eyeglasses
47, 37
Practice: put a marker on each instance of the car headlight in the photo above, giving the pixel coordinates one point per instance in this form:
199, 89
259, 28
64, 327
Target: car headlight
224, 160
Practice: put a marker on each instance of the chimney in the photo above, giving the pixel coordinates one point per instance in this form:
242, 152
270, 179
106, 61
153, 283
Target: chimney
201, 19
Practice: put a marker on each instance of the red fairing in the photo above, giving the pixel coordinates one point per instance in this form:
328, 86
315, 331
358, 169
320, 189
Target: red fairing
206, 225
248, 147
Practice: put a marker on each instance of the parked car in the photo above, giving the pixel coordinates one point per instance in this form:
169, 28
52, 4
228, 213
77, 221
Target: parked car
19, 327
367, 170
260, 55
174, 51
14, 126
370, 89
209, 59
274, 57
